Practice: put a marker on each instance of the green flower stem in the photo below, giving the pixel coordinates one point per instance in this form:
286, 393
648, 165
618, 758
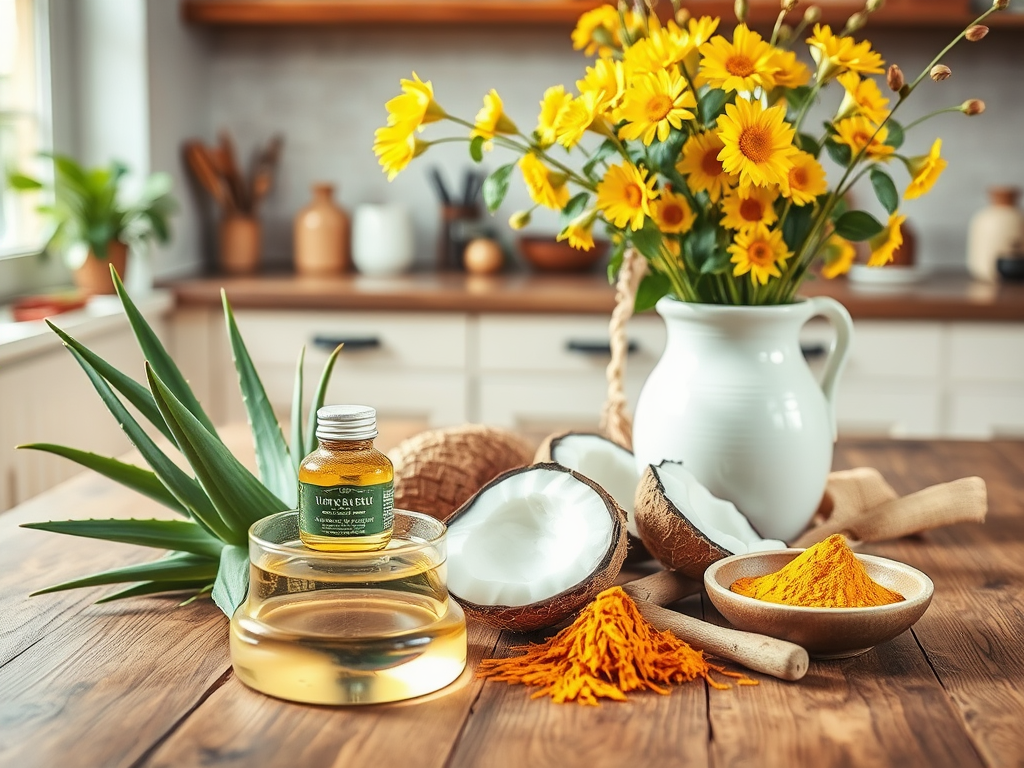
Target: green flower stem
778, 26
696, 95
815, 90
930, 115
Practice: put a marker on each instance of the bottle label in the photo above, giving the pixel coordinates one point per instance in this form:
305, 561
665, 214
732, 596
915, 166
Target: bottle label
346, 510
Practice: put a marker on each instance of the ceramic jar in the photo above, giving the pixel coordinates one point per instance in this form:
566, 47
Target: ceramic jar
322, 232
240, 237
995, 231
382, 239
92, 276
734, 400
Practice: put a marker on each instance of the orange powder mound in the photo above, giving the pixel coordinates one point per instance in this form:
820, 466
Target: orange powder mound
610, 649
827, 575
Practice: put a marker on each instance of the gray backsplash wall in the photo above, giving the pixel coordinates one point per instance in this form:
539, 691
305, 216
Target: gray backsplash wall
325, 90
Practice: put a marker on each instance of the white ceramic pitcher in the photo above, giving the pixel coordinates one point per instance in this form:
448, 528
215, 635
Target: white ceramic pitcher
733, 399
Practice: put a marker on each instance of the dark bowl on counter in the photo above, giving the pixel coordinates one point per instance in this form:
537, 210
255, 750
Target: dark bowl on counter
545, 254
1011, 268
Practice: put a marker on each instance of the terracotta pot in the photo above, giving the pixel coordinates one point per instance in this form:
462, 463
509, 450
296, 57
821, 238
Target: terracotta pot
240, 245
93, 277
322, 232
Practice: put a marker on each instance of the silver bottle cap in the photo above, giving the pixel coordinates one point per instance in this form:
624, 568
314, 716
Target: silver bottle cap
346, 422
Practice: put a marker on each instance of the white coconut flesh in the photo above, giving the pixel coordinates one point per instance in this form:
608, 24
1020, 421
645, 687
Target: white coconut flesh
527, 538
606, 463
719, 520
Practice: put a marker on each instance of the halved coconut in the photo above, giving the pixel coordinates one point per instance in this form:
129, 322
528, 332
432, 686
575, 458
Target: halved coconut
686, 527
606, 463
533, 547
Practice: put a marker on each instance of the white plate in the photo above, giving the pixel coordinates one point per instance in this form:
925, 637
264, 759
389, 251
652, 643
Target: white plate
887, 275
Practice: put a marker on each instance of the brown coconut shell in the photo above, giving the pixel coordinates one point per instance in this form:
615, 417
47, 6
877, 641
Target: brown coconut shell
672, 539
553, 610
437, 471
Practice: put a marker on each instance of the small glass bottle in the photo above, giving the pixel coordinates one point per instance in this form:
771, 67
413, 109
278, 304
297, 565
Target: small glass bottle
346, 486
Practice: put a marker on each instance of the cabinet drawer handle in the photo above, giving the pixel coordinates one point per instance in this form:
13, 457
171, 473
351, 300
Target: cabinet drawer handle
351, 342
813, 351
597, 347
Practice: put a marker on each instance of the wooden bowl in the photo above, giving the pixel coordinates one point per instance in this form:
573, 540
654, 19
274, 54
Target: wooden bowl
546, 254
826, 633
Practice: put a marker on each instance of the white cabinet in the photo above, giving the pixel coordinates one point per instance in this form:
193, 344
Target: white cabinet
986, 374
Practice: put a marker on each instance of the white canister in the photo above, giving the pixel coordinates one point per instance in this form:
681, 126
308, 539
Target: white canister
382, 239
997, 230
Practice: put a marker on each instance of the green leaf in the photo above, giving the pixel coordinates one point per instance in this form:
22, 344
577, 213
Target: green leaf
648, 240
795, 97
273, 460
23, 183
896, 135
808, 144
797, 225
712, 103
885, 189
653, 287
615, 261
602, 153
160, 534
496, 186
318, 399
239, 498
156, 355
840, 153
177, 567
577, 204
703, 251
136, 478
232, 583
298, 444
857, 225
665, 154
133, 392
184, 488
156, 588
476, 149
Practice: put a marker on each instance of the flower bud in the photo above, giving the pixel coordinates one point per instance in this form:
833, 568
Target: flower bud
740, 8
940, 72
785, 34
1000, 5
682, 16
874, 5
895, 78
788, 5
972, 107
812, 14
975, 32
519, 219
857, 21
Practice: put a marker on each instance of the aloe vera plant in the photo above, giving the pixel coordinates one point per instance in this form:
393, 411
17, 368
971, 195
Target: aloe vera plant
219, 500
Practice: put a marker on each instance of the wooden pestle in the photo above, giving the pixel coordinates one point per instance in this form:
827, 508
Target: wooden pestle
778, 658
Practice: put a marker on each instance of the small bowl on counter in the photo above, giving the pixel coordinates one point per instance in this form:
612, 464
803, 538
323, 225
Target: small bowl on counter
545, 254
826, 633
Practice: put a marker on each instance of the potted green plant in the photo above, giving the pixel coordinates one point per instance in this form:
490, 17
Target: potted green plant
92, 222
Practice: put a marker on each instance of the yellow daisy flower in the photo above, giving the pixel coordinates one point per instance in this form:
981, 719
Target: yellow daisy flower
581, 114
546, 187
701, 167
858, 133
748, 62
600, 30
552, 107
833, 54
606, 80
395, 146
861, 97
806, 179
925, 171
884, 245
760, 252
491, 118
625, 195
672, 213
663, 48
579, 232
745, 208
415, 106
839, 255
654, 105
758, 143
698, 32
790, 71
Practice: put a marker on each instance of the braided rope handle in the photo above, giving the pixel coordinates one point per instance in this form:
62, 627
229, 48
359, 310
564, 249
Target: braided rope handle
615, 420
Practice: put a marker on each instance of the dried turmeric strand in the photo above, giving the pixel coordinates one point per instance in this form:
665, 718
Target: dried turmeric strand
827, 575
608, 650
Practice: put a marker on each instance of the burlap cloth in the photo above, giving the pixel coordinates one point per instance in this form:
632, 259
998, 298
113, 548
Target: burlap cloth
858, 503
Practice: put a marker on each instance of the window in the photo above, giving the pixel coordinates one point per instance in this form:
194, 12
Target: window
24, 117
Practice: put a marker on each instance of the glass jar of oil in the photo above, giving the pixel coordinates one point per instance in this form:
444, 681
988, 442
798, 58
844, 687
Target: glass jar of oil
346, 486
348, 627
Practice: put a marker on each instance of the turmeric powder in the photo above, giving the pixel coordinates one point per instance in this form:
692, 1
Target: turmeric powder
828, 575
608, 650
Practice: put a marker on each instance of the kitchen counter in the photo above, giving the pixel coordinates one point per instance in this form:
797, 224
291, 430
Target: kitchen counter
147, 682
942, 297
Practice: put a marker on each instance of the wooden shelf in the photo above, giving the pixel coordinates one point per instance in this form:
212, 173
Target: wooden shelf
551, 13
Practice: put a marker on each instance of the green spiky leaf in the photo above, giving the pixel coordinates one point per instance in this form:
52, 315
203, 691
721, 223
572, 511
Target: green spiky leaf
177, 567
298, 444
158, 587
160, 534
232, 582
318, 398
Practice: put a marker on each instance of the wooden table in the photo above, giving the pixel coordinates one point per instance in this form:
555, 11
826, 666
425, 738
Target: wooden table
146, 683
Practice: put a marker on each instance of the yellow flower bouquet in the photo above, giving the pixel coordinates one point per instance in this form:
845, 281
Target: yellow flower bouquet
694, 148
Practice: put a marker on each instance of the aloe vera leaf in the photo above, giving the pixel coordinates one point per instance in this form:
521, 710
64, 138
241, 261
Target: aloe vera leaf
184, 488
232, 582
134, 392
176, 567
138, 479
298, 444
156, 355
157, 587
318, 399
239, 497
273, 460
162, 534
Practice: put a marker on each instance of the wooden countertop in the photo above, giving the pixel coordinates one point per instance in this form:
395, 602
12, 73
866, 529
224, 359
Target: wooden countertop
147, 683
944, 297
